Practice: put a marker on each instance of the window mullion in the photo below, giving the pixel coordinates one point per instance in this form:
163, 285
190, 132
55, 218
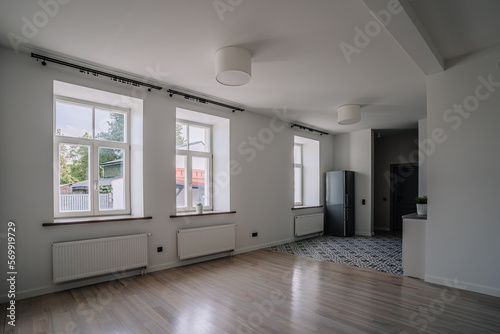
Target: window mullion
189, 181
93, 170
94, 178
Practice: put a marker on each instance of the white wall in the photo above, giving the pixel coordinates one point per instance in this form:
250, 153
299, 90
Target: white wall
395, 149
261, 187
463, 177
354, 151
422, 164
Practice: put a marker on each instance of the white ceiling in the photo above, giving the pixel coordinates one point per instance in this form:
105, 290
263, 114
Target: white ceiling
297, 62
460, 27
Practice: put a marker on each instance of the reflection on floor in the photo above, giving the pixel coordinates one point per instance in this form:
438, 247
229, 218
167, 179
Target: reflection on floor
381, 252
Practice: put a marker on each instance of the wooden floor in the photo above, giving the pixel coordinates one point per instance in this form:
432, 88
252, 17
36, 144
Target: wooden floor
260, 292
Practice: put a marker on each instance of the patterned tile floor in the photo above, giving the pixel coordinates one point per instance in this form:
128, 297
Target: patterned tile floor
381, 252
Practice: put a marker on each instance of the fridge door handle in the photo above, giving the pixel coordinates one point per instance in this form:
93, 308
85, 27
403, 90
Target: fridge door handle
346, 209
346, 212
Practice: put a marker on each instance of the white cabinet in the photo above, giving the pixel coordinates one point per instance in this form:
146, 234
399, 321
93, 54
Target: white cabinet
414, 246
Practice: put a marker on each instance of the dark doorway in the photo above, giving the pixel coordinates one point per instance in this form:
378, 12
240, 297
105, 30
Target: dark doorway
404, 189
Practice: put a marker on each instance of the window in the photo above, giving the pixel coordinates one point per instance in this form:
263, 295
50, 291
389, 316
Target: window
91, 152
297, 174
193, 165
306, 172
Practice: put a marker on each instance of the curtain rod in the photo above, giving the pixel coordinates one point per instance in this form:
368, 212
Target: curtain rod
84, 69
128, 81
303, 127
202, 100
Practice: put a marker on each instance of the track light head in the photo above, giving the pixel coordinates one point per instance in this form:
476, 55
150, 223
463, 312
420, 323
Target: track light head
44, 63
149, 89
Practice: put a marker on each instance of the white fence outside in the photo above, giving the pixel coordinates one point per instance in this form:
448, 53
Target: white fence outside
80, 202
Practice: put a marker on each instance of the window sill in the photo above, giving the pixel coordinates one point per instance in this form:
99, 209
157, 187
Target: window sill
206, 213
306, 207
93, 220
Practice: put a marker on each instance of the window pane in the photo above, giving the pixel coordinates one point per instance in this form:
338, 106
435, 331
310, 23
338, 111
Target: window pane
180, 136
180, 181
111, 179
73, 120
73, 178
297, 154
200, 181
297, 185
199, 139
110, 125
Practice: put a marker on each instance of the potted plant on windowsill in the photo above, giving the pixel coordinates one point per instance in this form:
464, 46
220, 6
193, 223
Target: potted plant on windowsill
199, 208
421, 205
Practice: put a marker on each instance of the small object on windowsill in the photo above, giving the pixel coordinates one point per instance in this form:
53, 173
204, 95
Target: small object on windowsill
205, 213
199, 208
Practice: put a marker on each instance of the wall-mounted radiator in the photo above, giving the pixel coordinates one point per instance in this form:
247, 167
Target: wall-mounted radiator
85, 258
308, 224
200, 241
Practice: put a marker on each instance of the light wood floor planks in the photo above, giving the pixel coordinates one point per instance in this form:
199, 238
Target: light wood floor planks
260, 292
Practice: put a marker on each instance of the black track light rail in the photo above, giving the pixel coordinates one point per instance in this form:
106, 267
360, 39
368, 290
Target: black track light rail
202, 100
84, 69
303, 127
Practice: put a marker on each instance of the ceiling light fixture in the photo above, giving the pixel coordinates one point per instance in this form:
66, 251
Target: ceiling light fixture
233, 66
349, 114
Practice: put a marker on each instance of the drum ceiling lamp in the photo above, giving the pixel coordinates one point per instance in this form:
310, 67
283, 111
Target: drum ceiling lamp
349, 114
233, 66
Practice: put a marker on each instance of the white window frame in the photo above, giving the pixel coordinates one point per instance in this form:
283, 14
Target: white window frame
301, 166
94, 145
190, 206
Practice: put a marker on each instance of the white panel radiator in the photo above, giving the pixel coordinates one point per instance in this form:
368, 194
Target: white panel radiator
200, 241
308, 224
85, 258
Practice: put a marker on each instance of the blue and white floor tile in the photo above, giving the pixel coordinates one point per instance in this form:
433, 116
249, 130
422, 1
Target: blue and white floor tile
381, 252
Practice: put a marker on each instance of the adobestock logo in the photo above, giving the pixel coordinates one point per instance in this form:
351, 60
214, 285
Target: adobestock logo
222, 7
31, 28
363, 37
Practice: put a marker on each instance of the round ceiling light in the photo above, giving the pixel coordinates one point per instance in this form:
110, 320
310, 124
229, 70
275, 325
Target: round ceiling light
349, 114
233, 66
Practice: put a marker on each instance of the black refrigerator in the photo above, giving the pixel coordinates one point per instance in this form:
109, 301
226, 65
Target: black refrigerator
339, 203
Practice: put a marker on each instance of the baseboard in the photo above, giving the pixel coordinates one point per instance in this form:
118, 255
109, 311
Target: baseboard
70, 285
268, 244
385, 229
179, 263
96, 280
463, 285
363, 234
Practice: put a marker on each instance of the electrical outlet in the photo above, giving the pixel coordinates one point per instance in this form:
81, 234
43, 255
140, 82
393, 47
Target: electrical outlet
363, 202
255, 234
159, 249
